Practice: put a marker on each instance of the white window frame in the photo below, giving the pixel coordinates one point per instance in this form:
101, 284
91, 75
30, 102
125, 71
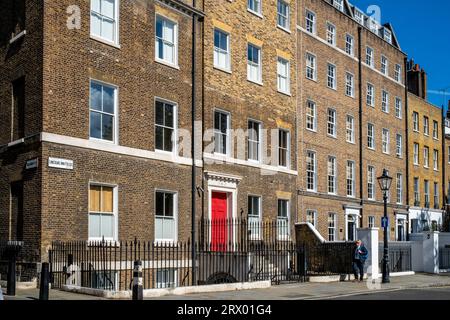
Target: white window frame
313, 117
115, 115
285, 64
416, 188
313, 22
332, 226
115, 212
371, 192
331, 34
350, 130
349, 45
370, 57
371, 136
116, 29
387, 35
399, 145
175, 216
416, 154
259, 143
435, 160
286, 220
332, 76
253, 220
164, 285
436, 195
349, 85
228, 139
251, 63
288, 18
311, 66
416, 125
287, 149
435, 130
314, 217
385, 101
370, 98
385, 141
397, 73
175, 125
398, 108
332, 175
175, 44
259, 5
339, 4
384, 65
426, 157
221, 51
426, 188
311, 174
352, 179
332, 124
426, 126
372, 222
399, 187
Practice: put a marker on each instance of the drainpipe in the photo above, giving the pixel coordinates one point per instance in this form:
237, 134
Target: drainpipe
361, 189
194, 169
407, 141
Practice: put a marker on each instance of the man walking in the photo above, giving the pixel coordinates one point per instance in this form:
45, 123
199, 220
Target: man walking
360, 256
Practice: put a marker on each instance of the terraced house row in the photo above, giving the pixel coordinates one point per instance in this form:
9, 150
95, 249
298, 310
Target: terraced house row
123, 119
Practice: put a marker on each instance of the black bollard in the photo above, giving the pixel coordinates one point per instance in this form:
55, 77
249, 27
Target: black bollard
45, 280
138, 289
11, 278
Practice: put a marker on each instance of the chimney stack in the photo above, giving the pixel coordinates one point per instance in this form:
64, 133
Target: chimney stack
417, 80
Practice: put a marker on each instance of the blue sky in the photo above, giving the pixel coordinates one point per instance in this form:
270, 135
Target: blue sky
422, 28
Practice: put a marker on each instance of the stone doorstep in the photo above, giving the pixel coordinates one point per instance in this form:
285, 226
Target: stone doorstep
155, 293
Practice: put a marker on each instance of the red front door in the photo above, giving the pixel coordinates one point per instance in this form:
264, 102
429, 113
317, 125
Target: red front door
219, 222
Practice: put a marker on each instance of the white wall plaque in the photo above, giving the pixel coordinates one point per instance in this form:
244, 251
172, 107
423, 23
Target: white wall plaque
60, 163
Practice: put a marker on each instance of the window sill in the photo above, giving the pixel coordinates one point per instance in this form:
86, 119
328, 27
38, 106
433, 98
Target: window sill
105, 41
331, 136
259, 15
315, 80
168, 64
334, 89
285, 93
351, 142
371, 149
255, 82
352, 96
222, 69
18, 36
284, 29
103, 141
311, 130
168, 153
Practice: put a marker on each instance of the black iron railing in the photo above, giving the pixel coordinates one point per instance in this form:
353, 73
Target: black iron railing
444, 258
400, 259
234, 250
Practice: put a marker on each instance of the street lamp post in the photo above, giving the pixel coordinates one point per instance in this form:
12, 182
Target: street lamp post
385, 184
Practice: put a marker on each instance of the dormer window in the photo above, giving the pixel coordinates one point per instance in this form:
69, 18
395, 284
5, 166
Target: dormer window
373, 25
339, 4
359, 16
388, 35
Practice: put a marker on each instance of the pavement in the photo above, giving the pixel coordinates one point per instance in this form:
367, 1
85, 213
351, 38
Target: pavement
411, 285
